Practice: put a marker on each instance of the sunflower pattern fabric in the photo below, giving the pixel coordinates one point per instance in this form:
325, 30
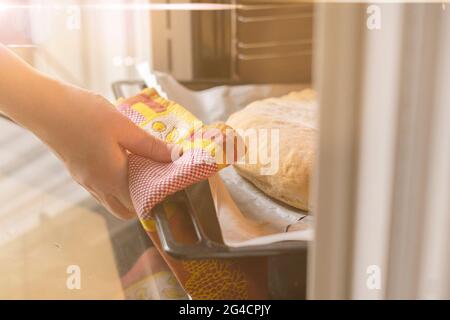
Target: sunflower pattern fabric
204, 153
150, 181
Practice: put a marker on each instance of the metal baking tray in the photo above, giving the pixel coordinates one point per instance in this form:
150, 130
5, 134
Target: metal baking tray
198, 201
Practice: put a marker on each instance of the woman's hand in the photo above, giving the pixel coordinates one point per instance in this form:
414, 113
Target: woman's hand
92, 139
90, 136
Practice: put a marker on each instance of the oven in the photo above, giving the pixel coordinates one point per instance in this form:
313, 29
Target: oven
230, 53
254, 50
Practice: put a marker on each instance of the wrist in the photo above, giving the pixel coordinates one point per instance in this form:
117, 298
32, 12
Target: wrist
45, 107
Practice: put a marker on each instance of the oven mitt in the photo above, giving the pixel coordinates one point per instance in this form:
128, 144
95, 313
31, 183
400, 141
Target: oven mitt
204, 153
204, 150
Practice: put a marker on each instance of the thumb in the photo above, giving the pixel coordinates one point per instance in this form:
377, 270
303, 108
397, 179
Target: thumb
139, 142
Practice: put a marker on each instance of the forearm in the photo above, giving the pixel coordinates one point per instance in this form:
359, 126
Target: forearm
41, 104
22, 88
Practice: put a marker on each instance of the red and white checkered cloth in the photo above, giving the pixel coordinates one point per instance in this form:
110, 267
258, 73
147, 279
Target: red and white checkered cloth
151, 182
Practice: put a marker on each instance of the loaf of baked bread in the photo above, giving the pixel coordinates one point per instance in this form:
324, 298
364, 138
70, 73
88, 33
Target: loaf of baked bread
294, 116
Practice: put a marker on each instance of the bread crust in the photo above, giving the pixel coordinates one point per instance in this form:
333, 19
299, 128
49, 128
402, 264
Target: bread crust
295, 117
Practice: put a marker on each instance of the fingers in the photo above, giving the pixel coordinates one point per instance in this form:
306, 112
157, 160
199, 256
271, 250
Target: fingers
139, 142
